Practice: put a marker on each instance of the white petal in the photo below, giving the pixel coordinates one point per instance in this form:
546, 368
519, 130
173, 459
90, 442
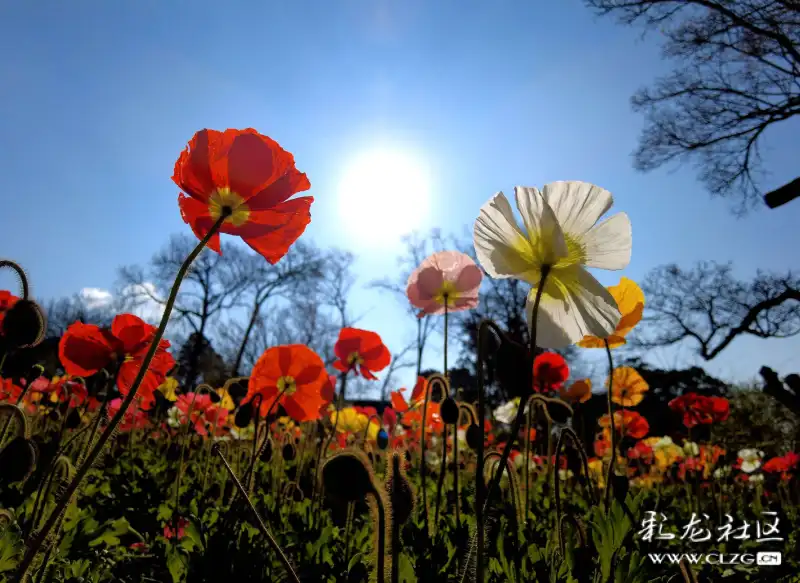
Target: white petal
608, 245
541, 224
571, 309
496, 237
577, 205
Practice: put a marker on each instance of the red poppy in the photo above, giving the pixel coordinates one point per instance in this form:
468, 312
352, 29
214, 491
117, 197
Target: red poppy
413, 418
84, 349
389, 418
641, 451
134, 417
417, 395
700, 410
251, 177
297, 374
7, 301
783, 465
360, 350
169, 533
9, 391
550, 372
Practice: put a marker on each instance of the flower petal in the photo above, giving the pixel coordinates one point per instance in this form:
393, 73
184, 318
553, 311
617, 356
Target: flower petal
543, 230
608, 245
577, 205
584, 308
501, 247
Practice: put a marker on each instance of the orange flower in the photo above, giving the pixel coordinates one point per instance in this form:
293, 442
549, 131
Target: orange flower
297, 374
251, 177
84, 349
629, 387
7, 301
627, 423
577, 392
630, 301
417, 395
362, 351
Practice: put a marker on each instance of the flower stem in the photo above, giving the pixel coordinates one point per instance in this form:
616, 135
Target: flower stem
610, 474
33, 546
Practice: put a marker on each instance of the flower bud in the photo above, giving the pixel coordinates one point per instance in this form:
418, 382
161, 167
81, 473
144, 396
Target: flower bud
449, 411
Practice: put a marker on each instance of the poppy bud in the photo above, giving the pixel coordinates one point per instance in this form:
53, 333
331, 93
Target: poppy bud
382, 439
400, 490
238, 390
243, 416
473, 436
289, 452
24, 324
17, 459
53, 415
266, 451
347, 477
73, 419
449, 411
558, 410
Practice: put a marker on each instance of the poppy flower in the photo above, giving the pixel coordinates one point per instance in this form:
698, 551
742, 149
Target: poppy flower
133, 419
630, 301
550, 372
783, 465
389, 418
560, 233
168, 389
9, 391
399, 402
250, 177
199, 411
413, 418
169, 533
295, 375
7, 301
629, 387
84, 349
63, 389
627, 423
578, 392
362, 351
700, 410
641, 451
447, 277
349, 420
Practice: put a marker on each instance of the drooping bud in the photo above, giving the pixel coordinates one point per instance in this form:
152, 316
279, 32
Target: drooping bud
473, 436
289, 452
382, 439
266, 451
23, 324
449, 411
243, 416
17, 459
347, 476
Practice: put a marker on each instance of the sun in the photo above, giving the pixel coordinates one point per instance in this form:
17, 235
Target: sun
383, 195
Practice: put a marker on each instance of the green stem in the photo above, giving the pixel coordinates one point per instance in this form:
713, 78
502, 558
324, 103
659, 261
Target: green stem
33, 546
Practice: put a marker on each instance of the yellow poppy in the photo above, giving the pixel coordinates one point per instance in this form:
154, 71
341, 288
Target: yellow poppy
629, 387
350, 420
630, 301
226, 401
168, 388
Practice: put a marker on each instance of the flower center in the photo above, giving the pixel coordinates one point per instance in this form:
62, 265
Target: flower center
354, 359
287, 385
224, 200
447, 290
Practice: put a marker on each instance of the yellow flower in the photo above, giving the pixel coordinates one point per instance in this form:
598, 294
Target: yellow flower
630, 301
629, 387
597, 473
578, 392
168, 388
226, 401
350, 420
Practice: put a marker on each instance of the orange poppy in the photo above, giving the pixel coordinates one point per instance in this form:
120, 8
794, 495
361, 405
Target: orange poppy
627, 423
578, 392
251, 177
629, 387
399, 402
630, 301
85, 348
362, 351
296, 375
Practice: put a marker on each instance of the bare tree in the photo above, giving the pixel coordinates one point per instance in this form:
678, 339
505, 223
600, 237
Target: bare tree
63, 312
710, 307
737, 75
214, 284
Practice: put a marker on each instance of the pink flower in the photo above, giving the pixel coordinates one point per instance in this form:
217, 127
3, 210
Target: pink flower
446, 277
169, 534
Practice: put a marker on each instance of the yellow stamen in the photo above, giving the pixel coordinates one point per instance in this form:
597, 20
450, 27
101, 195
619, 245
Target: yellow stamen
224, 198
287, 385
354, 359
448, 290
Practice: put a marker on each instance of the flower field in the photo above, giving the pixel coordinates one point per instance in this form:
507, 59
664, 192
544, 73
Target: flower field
112, 470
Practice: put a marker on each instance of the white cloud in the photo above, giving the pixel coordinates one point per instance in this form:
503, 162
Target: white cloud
95, 298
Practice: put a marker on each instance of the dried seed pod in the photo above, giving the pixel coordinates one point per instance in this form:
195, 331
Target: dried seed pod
23, 324
347, 476
399, 489
243, 416
473, 436
289, 452
449, 411
17, 459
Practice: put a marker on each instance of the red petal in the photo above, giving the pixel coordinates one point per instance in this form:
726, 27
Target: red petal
195, 214
292, 218
255, 162
192, 171
84, 349
279, 191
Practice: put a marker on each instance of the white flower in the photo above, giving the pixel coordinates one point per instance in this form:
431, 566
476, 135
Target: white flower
174, 417
565, 474
560, 231
751, 459
756, 478
506, 413
690, 448
432, 458
722, 472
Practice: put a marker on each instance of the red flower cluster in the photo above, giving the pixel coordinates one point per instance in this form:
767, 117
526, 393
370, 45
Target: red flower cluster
700, 410
133, 419
85, 349
783, 465
202, 413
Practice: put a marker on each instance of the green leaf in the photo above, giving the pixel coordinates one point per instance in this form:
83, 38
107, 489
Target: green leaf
354, 560
406, 570
177, 565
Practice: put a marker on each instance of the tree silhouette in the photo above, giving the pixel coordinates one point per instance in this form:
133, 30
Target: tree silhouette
736, 75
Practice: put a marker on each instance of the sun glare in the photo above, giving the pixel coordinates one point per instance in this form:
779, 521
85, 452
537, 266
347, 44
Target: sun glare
383, 195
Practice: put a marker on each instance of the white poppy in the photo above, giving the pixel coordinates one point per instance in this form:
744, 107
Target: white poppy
691, 449
506, 413
751, 459
561, 232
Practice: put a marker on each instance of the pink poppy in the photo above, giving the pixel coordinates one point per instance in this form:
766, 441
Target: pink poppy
446, 277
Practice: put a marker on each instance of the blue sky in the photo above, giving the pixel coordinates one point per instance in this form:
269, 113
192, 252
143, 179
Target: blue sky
98, 98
